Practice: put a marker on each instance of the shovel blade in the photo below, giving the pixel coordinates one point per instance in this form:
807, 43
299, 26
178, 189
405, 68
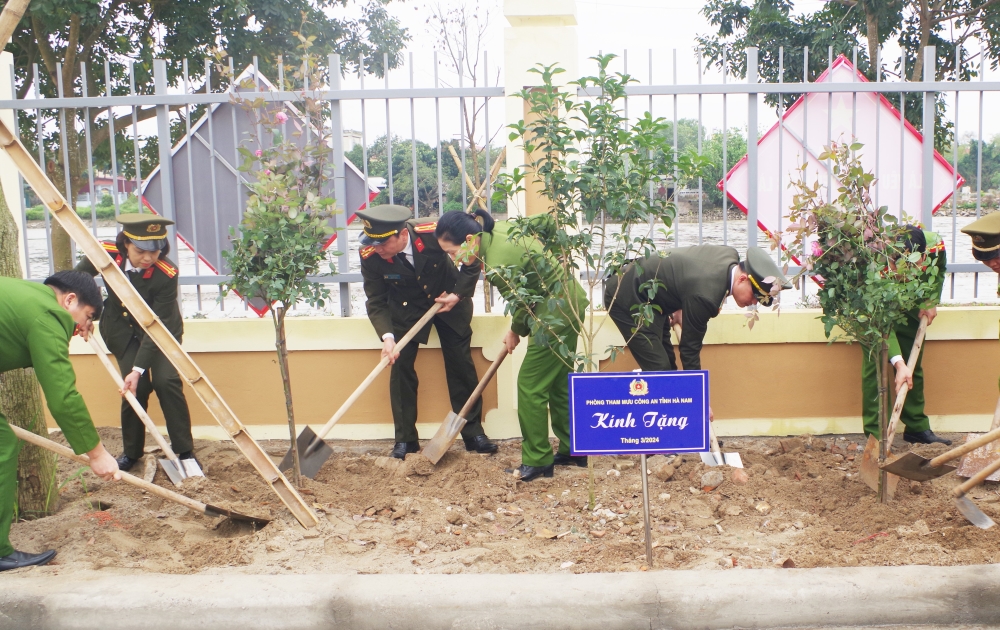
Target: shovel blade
176, 475
708, 458
973, 514
445, 437
978, 459
869, 471
916, 468
191, 468
310, 464
733, 459
214, 511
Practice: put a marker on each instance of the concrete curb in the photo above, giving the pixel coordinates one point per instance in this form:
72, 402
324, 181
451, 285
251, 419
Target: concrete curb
912, 595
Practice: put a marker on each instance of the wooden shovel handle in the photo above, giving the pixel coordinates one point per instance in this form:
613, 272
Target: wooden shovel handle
977, 479
968, 447
139, 411
61, 450
431, 312
476, 393
911, 363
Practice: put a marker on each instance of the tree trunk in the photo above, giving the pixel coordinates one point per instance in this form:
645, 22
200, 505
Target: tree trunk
871, 26
21, 401
882, 374
278, 315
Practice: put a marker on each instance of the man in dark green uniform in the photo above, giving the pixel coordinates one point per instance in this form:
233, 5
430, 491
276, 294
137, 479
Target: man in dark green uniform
695, 281
918, 425
37, 322
985, 233
140, 251
405, 272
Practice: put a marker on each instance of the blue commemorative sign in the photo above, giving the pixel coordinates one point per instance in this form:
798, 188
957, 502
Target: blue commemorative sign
622, 413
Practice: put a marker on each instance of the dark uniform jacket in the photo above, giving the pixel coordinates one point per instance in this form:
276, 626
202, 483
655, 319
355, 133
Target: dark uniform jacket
696, 280
158, 287
399, 296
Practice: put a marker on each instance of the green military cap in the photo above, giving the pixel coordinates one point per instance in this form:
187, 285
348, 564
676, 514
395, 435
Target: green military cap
764, 274
381, 222
985, 233
146, 231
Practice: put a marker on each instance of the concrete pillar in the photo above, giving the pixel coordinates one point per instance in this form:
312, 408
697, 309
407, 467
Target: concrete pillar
540, 32
9, 178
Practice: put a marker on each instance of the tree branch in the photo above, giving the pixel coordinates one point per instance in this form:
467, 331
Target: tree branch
955, 16
44, 48
69, 59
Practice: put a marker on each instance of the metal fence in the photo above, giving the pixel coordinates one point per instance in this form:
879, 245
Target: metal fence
206, 197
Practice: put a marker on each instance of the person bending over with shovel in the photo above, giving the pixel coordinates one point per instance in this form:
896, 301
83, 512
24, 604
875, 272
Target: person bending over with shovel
36, 323
141, 250
918, 425
542, 384
689, 285
405, 273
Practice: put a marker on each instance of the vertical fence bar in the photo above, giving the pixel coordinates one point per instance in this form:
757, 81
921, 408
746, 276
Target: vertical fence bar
854, 99
902, 136
20, 186
111, 137
805, 134
878, 125
461, 137
781, 138
413, 147
364, 128
90, 151
701, 195
340, 183
388, 128
979, 157
752, 149
927, 155
437, 131
190, 177
486, 137
677, 187
167, 208
829, 126
234, 87
652, 185
135, 137
954, 177
64, 140
41, 163
725, 154
210, 114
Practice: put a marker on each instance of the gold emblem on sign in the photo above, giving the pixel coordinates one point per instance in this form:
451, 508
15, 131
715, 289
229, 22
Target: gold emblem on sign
638, 387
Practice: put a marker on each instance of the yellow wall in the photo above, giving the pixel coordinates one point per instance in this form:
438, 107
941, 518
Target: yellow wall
780, 378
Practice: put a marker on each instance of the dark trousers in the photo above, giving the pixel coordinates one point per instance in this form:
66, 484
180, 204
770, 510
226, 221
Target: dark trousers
650, 344
912, 416
161, 377
460, 373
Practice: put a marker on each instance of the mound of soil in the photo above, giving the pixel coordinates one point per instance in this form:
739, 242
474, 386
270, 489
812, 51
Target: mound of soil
801, 504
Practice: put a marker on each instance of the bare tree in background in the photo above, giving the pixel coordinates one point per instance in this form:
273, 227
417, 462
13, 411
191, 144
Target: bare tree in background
461, 30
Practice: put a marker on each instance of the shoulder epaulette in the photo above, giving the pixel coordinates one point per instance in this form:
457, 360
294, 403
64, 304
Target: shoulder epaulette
937, 248
111, 248
366, 251
166, 268
423, 228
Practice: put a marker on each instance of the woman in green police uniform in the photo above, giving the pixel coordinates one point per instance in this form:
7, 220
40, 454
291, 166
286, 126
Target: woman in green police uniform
542, 386
140, 250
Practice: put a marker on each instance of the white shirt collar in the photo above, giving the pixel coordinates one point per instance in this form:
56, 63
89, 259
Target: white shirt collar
129, 267
732, 279
408, 250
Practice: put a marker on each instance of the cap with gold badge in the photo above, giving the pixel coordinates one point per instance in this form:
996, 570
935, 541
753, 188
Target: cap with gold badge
985, 233
146, 231
764, 273
382, 222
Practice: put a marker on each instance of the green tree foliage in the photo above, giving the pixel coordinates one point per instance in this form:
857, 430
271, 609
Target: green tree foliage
968, 163
60, 34
711, 149
427, 169
843, 24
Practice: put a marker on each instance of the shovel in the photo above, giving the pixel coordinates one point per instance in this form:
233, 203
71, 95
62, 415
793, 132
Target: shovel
968, 509
982, 456
453, 423
869, 459
313, 451
177, 469
210, 511
716, 457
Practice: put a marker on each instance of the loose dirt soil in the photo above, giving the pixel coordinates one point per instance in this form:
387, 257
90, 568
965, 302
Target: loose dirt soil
805, 507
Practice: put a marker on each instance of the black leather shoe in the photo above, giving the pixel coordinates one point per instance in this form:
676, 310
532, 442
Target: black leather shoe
400, 450
480, 444
125, 463
20, 559
924, 437
570, 460
527, 473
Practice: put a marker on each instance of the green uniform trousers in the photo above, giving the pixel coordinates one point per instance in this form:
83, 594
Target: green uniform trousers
9, 448
161, 377
543, 394
459, 370
913, 415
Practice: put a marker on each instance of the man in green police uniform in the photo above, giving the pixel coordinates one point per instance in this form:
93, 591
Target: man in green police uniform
689, 285
918, 425
37, 322
140, 251
985, 233
405, 272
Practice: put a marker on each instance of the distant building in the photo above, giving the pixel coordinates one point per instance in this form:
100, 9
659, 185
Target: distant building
105, 185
